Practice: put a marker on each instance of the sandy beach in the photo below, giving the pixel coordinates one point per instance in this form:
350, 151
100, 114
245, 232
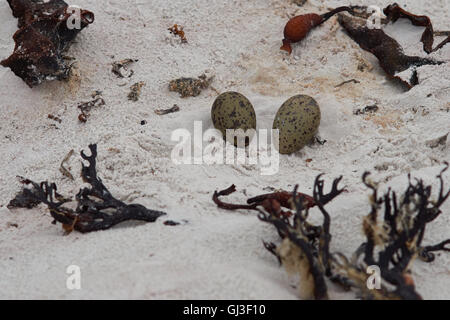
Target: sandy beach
213, 253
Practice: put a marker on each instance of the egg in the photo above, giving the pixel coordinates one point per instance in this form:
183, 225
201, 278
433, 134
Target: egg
232, 110
297, 121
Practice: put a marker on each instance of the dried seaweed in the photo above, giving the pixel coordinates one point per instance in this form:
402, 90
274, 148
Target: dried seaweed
120, 68
395, 243
271, 201
96, 208
63, 169
367, 109
86, 107
135, 91
171, 223
162, 112
389, 52
190, 87
347, 81
178, 31
395, 12
43, 37
392, 244
297, 28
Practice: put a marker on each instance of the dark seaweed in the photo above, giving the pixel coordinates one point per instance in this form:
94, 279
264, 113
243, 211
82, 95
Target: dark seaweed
391, 244
96, 208
389, 52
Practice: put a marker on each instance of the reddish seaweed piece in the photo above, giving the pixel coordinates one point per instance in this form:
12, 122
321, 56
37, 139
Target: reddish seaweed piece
178, 31
271, 202
44, 35
298, 27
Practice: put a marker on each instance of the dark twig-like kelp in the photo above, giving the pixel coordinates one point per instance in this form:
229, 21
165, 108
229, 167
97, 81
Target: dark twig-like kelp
96, 208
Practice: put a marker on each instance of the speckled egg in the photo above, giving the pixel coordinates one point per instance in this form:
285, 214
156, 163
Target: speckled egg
232, 110
297, 121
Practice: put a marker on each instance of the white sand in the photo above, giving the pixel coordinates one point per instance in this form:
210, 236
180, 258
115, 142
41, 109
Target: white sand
217, 254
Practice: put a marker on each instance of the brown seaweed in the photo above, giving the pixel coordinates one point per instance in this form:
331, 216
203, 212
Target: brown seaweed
43, 37
391, 244
297, 28
177, 30
135, 91
86, 107
120, 68
271, 201
388, 51
190, 87
96, 208
395, 12
27, 198
162, 112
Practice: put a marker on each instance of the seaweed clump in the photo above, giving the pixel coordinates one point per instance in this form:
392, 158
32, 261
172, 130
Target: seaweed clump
96, 208
177, 30
190, 87
388, 51
392, 243
46, 30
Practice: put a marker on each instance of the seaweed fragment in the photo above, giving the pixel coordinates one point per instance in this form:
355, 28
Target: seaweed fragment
178, 31
54, 118
162, 112
391, 244
63, 169
121, 70
45, 33
190, 87
96, 208
367, 109
395, 12
388, 51
347, 81
27, 198
274, 201
135, 91
86, 107
298, 27
28, 10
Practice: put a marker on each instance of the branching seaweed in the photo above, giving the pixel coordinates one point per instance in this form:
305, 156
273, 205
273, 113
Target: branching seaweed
96, 208
391, 244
